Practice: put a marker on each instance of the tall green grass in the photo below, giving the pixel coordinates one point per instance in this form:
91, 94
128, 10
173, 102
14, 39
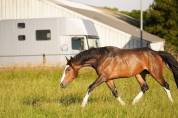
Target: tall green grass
35, 93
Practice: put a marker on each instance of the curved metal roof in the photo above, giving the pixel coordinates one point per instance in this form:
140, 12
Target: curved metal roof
107, 19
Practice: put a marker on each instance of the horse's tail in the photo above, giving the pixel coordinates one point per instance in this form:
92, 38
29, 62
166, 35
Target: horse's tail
172, 63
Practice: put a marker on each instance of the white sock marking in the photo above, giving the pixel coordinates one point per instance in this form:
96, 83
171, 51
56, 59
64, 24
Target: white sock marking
137, 98
85, 99
121, 101
63, 75
169, 94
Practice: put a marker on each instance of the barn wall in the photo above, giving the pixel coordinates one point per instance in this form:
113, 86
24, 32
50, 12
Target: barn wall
22, 9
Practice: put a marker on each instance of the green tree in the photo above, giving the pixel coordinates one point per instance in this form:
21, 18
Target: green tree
135, 14
162, 20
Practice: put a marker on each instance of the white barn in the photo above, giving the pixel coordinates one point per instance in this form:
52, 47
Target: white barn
44, 31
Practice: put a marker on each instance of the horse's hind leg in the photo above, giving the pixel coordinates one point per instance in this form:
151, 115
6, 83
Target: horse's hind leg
143, 85
167, 89
160, 79
156, 70
112, 87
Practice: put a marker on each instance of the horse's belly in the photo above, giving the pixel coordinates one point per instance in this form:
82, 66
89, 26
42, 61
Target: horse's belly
125, 71
115, 68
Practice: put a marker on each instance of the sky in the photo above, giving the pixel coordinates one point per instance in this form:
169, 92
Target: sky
126, 5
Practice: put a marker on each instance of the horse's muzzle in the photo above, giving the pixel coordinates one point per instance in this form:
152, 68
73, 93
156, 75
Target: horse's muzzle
62, 85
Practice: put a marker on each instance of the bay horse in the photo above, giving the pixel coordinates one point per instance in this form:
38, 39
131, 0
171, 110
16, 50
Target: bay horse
112, 63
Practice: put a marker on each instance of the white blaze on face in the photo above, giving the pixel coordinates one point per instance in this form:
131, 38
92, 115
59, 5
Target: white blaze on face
63, 75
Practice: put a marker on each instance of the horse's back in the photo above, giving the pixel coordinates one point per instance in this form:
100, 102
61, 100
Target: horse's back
114, 51
128, 62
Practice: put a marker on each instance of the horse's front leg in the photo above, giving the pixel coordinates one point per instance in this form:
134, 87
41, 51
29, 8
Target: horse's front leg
144, 88
112, 87
96, 83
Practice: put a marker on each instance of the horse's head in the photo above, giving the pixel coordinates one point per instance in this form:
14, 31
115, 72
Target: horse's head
70, 73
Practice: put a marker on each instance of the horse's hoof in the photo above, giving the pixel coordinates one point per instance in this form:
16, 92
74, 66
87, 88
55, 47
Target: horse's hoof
83, 105
121, 101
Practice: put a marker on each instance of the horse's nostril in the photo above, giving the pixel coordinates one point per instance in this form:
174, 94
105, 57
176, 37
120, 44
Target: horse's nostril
61, 84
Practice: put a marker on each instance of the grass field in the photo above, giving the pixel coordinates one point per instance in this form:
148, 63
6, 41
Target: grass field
35, 93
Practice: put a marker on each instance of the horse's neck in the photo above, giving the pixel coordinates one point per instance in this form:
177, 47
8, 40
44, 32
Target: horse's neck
92, 62
89, 58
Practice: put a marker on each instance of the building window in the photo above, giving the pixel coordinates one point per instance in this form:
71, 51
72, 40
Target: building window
43, 35
21, 37
21, 25
78, 43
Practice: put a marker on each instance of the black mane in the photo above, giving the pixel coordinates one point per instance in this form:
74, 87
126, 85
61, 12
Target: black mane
91, 53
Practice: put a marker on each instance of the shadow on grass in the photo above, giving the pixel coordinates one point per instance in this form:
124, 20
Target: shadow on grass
67, 100
76, 99
70, 99
34, 101
37, 101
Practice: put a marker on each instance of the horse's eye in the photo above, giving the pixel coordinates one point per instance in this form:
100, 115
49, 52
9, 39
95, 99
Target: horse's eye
68, 69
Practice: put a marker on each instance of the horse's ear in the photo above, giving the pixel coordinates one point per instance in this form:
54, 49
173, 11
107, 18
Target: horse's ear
67, 59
